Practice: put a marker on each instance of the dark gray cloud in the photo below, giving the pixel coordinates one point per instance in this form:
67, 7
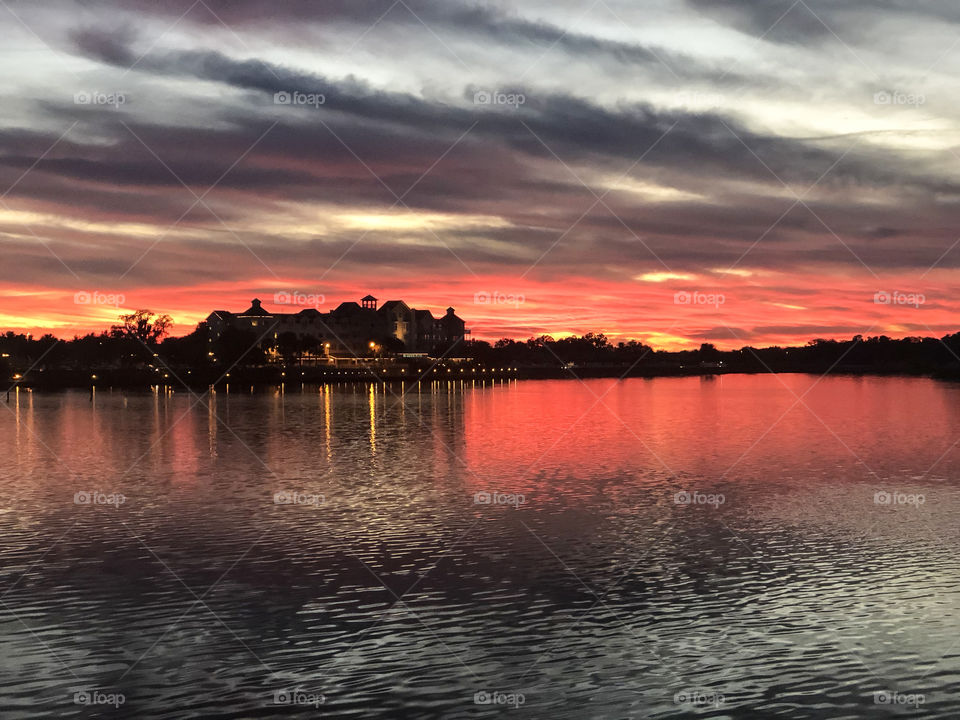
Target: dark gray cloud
300, 161
470, 21
793, 22
783, 20
569, 125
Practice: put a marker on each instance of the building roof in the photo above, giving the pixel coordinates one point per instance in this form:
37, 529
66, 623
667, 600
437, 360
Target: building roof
390, 304
346, 307
368, 297
255, 309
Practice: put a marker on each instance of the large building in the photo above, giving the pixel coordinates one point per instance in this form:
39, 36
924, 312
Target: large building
350, 328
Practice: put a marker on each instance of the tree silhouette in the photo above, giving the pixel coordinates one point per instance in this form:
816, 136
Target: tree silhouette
143, 325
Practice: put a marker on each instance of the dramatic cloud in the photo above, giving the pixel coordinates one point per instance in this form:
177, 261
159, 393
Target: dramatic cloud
690, 171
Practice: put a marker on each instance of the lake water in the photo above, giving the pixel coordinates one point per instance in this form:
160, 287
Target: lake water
742, 547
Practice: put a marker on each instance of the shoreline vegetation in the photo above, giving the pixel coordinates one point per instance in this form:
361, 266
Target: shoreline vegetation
136, 354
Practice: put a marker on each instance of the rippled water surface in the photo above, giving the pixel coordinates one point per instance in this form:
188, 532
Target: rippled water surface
744, 546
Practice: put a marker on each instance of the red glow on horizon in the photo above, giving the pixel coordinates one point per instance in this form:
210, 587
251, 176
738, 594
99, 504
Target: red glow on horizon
729, 311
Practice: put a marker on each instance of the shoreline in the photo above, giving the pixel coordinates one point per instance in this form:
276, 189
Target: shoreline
260, 378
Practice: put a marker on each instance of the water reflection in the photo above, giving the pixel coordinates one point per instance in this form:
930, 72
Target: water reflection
373, 419
406, 590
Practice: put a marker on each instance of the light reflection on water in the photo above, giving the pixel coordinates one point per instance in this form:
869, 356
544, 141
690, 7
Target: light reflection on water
387, 588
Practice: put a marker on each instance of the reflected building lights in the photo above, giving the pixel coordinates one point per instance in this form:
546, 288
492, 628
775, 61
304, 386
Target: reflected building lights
373, 419
212, 425
326, 417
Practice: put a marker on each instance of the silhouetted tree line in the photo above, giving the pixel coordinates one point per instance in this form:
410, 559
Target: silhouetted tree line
878, 354
140, 343
591, 348
132, 342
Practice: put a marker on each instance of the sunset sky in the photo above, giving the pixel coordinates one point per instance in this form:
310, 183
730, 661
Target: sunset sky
675, 171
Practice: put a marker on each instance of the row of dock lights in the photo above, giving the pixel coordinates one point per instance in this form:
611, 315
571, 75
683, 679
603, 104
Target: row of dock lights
484, 370
18, 376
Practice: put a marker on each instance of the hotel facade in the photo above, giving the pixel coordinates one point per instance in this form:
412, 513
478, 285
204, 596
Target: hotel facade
351, 329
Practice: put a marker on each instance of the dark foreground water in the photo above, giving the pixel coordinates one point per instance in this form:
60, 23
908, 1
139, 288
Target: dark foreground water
743, 547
